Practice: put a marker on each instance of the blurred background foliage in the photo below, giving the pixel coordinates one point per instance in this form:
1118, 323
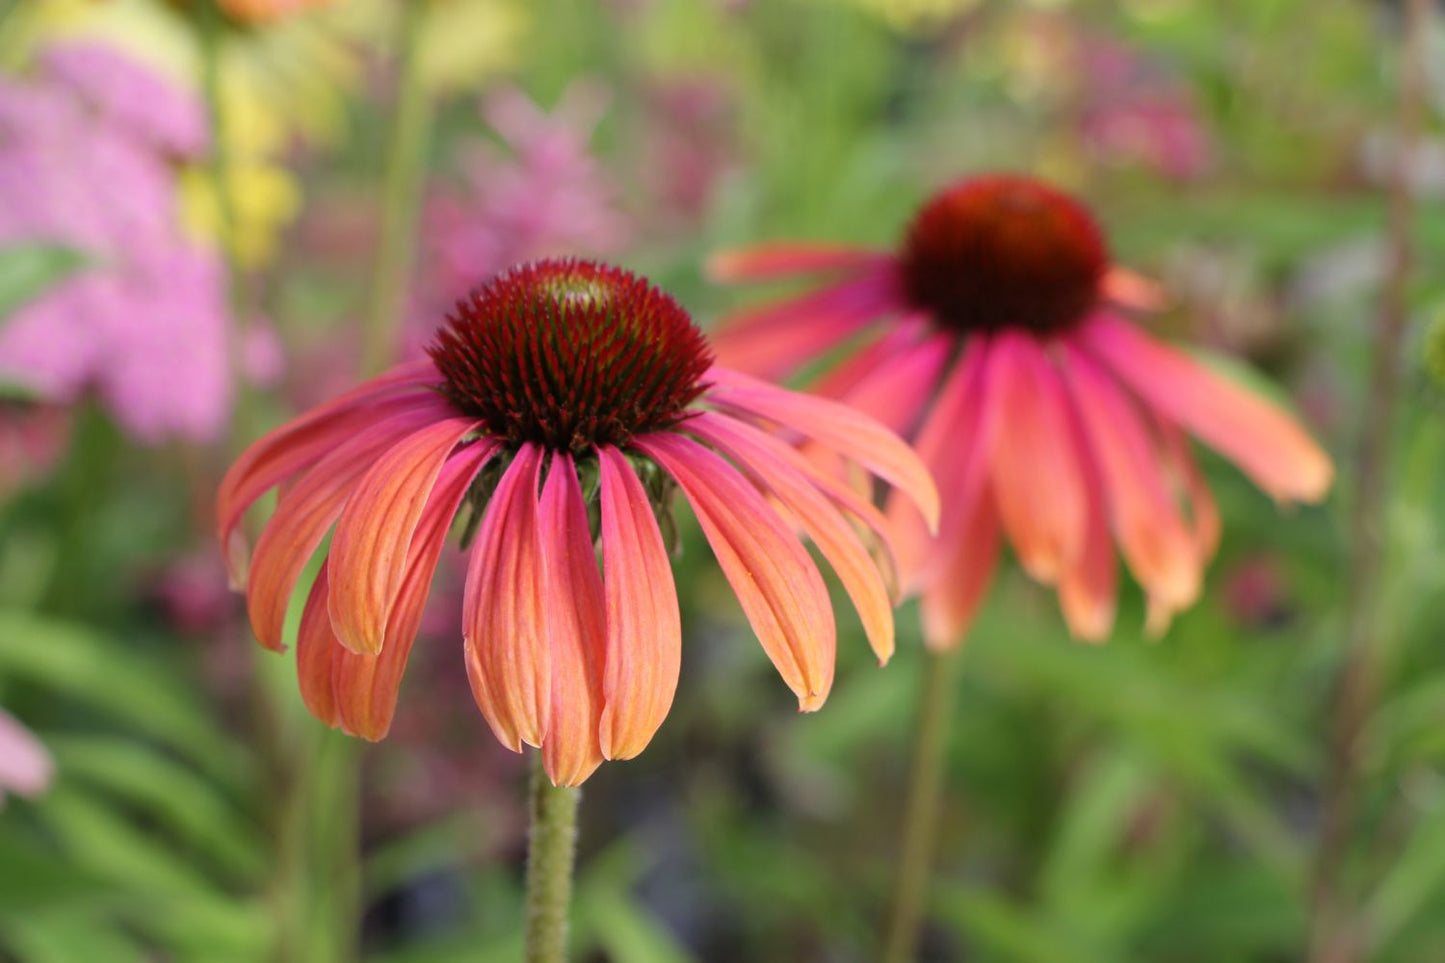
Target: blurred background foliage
1137, 801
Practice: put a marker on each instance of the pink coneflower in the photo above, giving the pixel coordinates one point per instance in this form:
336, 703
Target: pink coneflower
560, 406
998, 338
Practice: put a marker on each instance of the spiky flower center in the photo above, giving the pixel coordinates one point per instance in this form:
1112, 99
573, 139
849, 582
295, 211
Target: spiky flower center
1004, 251
571, 354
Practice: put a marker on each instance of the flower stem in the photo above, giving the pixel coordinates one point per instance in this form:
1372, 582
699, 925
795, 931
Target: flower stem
925, 791
401, 195
1335, 935
551, 847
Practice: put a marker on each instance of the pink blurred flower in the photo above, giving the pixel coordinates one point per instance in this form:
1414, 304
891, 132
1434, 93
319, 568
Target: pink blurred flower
1132, 112
545, 195
88, 153
25, 766
687, 146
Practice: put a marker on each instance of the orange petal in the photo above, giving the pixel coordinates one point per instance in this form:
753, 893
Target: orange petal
316, 648
366, 686
851, 433
894, 394
1088, 589
776, 339
1267, 444
1134, 291
369, 552
1034, 468
306, 512
770, 572
576, 626
754, 452
301, 443
967, 563
509, 660
1160, 551
644, 628
1203, 511
766, 262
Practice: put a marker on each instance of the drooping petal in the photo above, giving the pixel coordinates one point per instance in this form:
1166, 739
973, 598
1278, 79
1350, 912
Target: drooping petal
366, 686
1037, 484
509, 661
576, 626
1203, 511
895, 394
766, 262
317, 653
370, 550
771, 573
851, 433
644, 627
953, 442
1160, 551
1259, 437
775, 339
755, 452
965, 569
300, 443
1088, 590
307, 511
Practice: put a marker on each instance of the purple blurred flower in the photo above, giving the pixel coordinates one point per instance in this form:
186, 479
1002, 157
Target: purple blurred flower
688, 144
545, 195
89, 147
25, 766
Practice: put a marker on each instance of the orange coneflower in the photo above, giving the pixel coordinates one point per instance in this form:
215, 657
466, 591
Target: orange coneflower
997, 338
560, 405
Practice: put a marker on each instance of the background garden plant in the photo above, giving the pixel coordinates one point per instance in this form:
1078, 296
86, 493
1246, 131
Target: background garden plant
1135, 801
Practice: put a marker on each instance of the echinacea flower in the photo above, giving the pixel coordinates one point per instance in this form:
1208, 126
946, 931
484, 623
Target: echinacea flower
998, 338
559, 407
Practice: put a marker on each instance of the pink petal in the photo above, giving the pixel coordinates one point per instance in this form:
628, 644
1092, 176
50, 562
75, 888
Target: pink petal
576, 624
1204, 513
306, 512
1267, 444
509, 659
644, 628
370, 550
866, 358
851, 433
1160, 552
777, 339
765, 262
766, 461
302, 442
25, 766
895, 394
366, 686
1037, 483
770, 572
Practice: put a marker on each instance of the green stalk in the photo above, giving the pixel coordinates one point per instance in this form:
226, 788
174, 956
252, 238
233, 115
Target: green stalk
401, 196
552, 844
925, 792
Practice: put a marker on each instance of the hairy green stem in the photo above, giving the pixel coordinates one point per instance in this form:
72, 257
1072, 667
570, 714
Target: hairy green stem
552, 844
925, 792
401, 195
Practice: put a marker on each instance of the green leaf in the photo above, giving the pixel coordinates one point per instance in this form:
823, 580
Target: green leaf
33, 879
1417, 876
62, 938
29, 270
163, 789
105, 674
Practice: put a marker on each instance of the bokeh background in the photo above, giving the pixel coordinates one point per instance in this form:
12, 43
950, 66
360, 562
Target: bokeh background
1139, 801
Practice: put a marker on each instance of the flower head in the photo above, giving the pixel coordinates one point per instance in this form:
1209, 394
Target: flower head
998, 339
559, 408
